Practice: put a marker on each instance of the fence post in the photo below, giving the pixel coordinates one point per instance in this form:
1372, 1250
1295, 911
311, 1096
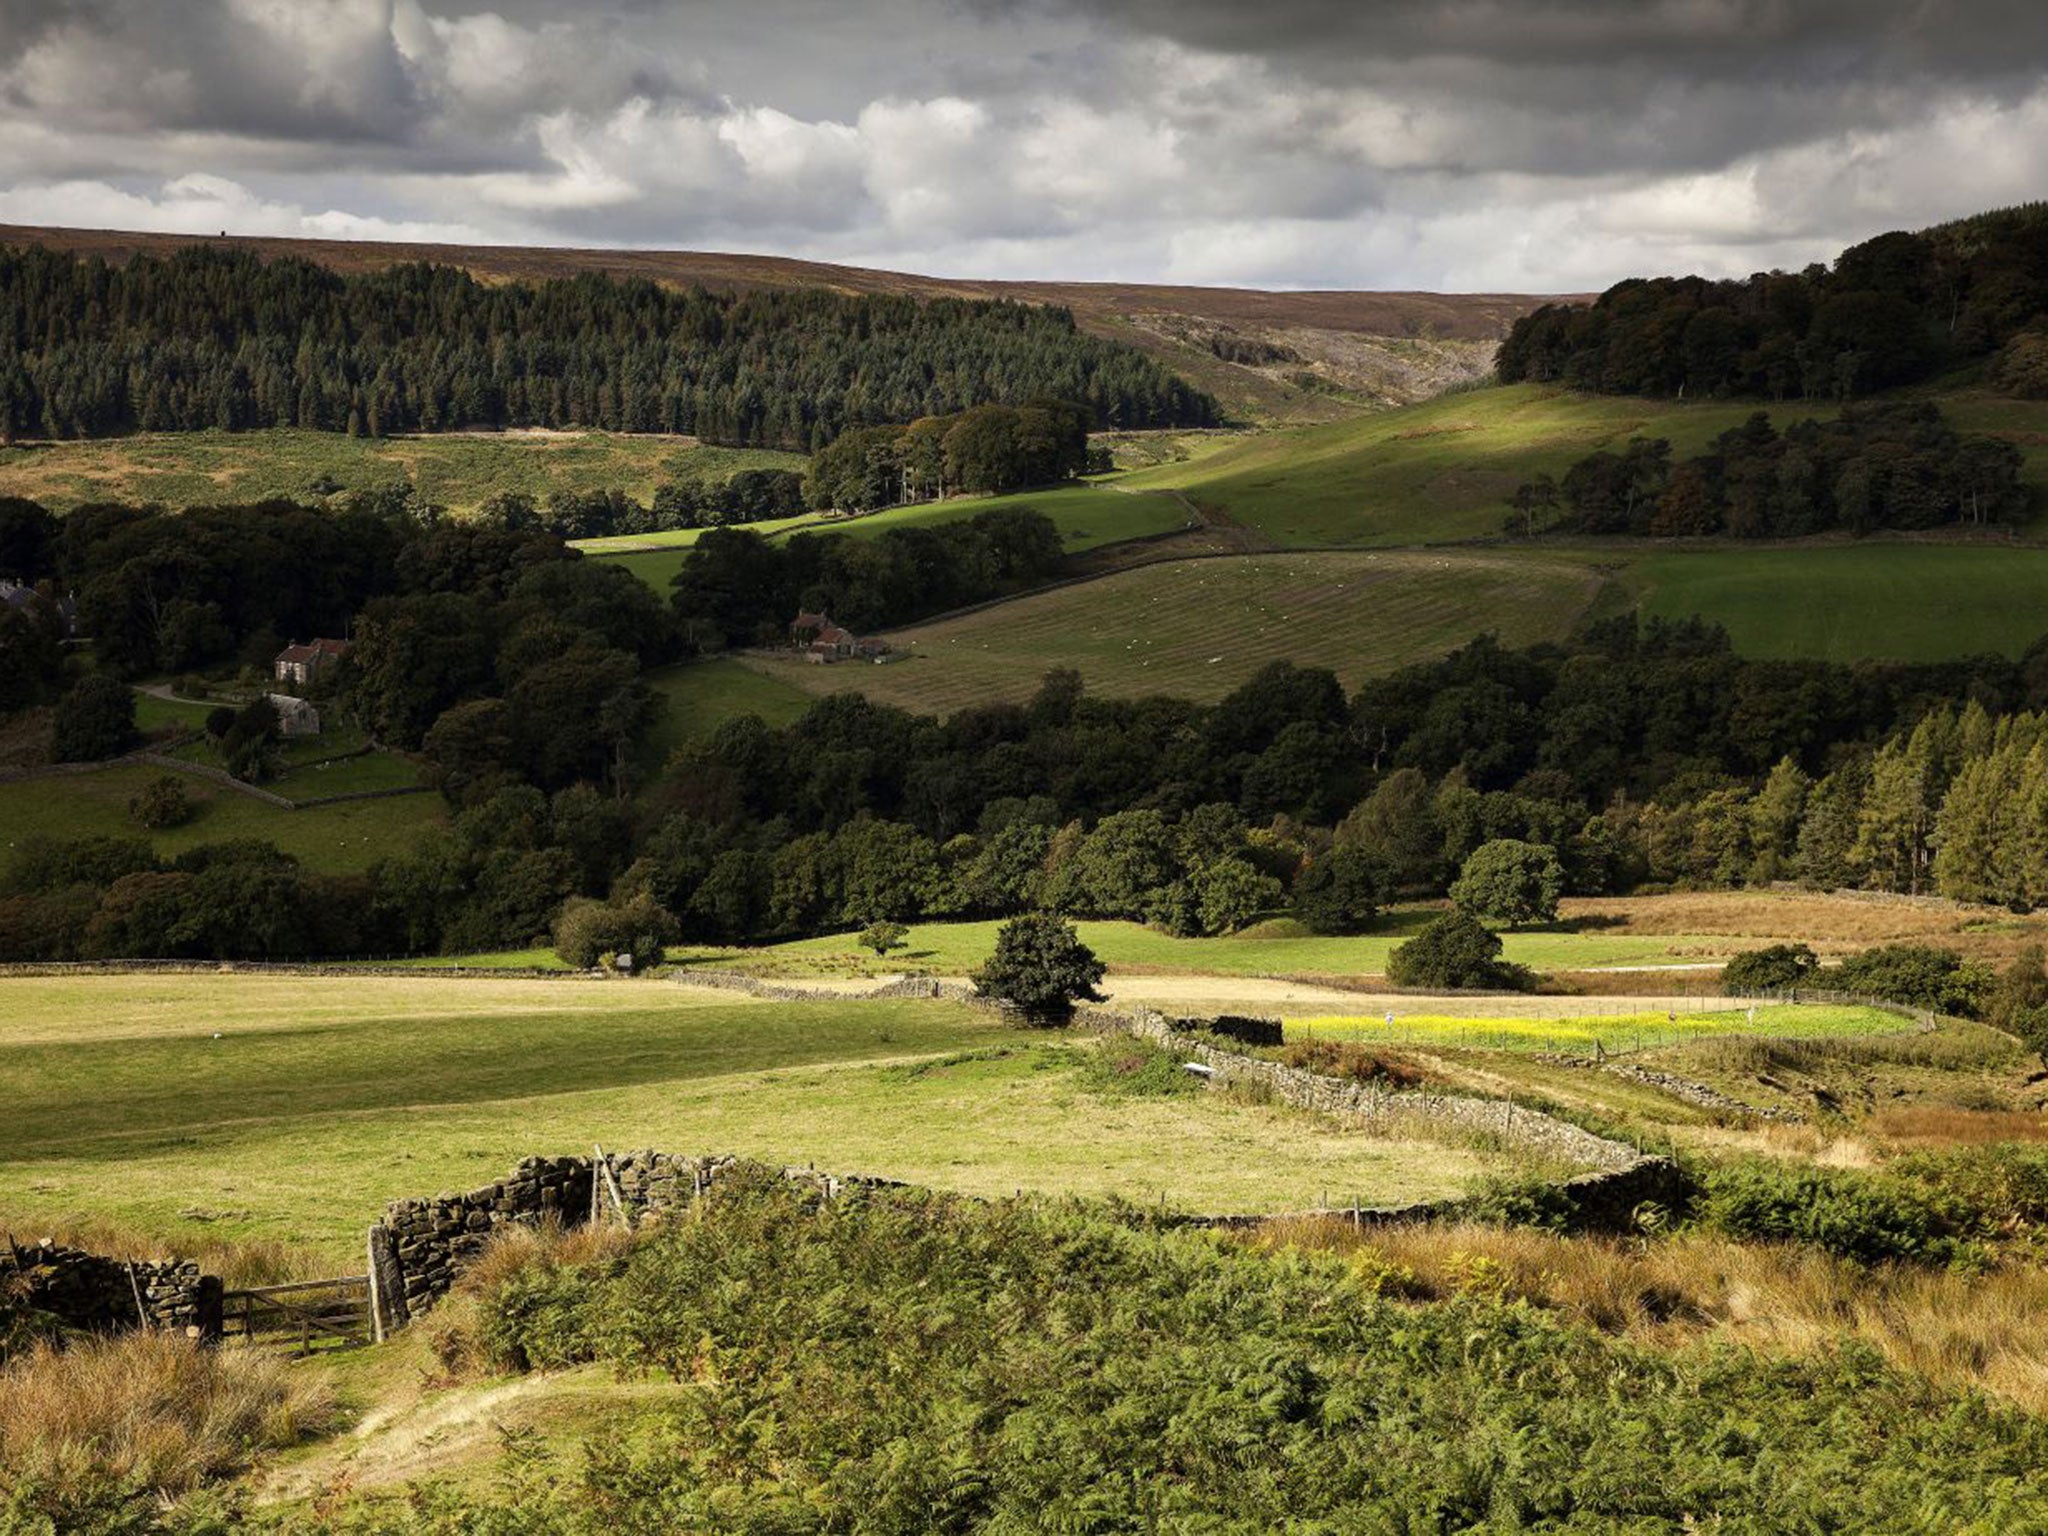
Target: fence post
376, 1291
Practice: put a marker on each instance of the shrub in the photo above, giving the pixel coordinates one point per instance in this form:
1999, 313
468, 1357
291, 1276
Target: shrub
1778, 968
589, 933
95, 720
161, 803
1918, 975
1510, 881
1341, 892
1452, 951
2018, 1004
1357, 1063
1869, 1217
249, 746
883, 936
1140, 1069
928, 1363
1040, 967
2006, 1186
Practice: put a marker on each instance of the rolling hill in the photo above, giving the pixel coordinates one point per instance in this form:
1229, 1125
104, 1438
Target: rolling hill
1300, 356
1440, 472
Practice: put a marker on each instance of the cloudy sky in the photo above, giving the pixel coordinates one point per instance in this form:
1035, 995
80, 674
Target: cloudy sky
1531, 145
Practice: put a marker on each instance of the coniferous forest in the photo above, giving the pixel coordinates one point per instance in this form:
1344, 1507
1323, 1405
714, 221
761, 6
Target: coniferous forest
216, 338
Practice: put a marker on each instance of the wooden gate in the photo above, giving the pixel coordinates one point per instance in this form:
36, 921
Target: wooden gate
307, 1314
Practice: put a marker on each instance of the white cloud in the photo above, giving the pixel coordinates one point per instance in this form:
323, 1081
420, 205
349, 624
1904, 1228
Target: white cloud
1293, 143
201, 204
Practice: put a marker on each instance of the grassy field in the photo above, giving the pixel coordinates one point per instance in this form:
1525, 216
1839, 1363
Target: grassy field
457, 470
338, 839
264, 1107
1569, 1029
1087, 516
1905, 602
1440, 470
1198, 628
1281, 947
703, 695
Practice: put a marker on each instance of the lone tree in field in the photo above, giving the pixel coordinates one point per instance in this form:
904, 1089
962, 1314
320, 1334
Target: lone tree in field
883, 936
1510, 881
161, 803
1453, 951
1041, 968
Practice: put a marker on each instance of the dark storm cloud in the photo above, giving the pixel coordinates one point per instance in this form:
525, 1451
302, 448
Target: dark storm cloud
1540, 143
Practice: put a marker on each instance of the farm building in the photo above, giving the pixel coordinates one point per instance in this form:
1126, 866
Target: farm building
301, 664
295, 717
824, 642
19, 595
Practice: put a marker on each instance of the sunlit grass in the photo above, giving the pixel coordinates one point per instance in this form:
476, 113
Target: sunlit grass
1569, 1030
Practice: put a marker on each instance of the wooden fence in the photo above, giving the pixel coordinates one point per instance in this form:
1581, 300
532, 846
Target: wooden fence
310, 1313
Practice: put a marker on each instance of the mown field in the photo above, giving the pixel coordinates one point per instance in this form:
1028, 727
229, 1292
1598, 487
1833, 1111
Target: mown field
337, 839
457, 470
293, 1108
1088, 516
1440, 471
1198, 628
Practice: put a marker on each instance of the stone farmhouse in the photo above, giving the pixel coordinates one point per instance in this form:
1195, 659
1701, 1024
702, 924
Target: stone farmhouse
299, 665
824, 642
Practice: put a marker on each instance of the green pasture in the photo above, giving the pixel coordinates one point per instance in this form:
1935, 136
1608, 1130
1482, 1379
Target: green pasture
251, 1106
338, 839
1442, 470
1569, 1028
457, 470
703, 695
1198, 628
1087, 516
1280, 947
1890, 601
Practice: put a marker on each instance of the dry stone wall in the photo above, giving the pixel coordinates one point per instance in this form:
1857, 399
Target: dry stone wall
421, 1246
1382, 1108
1619, 1181
105, 1295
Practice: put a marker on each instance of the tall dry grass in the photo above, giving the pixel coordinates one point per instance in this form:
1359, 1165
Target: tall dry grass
1959, 1329
153, 1407
1950, 1125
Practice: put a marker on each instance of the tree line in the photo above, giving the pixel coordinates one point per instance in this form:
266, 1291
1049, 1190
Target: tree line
1636, 753
748, 496
1893, 310
216, 338
982, 451
1895, 464
737, 588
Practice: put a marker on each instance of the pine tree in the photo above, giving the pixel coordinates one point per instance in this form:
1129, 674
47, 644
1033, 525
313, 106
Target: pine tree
1774, 822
